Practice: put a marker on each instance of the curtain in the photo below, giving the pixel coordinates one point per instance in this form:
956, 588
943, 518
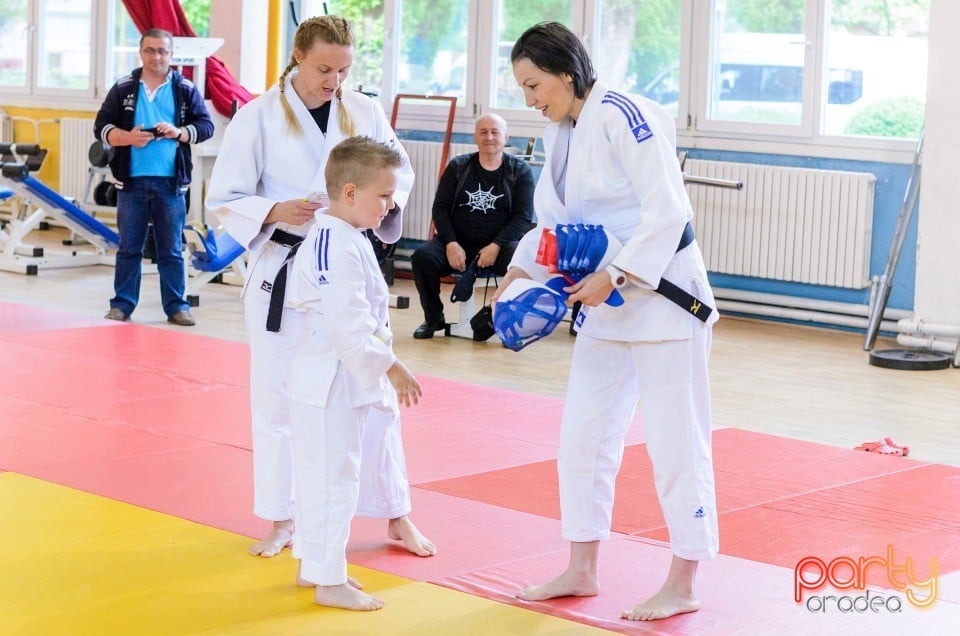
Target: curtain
222, 88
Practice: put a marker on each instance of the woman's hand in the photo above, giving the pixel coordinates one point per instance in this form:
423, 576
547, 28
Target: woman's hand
592, 290
407, 387
512, 274
294, 212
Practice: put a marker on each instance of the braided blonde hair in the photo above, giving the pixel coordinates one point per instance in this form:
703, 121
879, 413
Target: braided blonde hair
325, 28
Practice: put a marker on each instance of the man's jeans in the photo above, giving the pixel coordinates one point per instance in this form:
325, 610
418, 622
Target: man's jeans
141, 201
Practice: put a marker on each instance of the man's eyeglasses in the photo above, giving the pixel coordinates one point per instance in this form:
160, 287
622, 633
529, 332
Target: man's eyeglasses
149, 50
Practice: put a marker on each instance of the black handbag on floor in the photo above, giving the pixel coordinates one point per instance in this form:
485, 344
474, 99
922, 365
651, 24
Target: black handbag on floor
482, 324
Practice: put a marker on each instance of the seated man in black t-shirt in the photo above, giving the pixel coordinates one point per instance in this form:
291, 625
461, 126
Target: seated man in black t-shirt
484, 204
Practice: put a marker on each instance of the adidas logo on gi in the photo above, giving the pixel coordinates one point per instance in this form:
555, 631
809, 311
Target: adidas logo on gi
642, 132
699, 513
322, 280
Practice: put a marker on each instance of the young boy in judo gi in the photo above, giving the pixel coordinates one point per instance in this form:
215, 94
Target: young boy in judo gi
344, 372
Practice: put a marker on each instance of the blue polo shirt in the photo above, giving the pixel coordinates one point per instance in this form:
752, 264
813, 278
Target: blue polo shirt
158, 157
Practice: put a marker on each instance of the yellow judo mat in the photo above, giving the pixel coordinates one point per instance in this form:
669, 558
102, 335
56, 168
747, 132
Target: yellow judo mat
76, 563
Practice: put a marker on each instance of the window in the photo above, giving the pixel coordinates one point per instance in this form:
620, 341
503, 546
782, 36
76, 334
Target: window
877, 82
641, 48
514, 18
757, 61
126, 46
367, 21
769, 74
433, 47
14, 37
45, 46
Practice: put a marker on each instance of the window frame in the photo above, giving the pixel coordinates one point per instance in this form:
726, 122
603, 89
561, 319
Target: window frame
32, 93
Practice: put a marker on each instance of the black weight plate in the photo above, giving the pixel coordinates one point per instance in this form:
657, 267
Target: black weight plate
100, 193
112, 195
98, 155
910, 359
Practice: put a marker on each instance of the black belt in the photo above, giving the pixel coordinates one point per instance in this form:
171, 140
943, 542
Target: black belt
279, 289
683, 299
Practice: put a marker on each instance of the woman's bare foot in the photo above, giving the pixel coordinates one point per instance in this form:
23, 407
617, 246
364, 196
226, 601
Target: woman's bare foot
569, 583
663, 604
273, 544
675, 596
402, 529
345, 596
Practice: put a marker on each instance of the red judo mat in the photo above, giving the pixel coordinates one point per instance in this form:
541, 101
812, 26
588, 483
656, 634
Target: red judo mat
160, 419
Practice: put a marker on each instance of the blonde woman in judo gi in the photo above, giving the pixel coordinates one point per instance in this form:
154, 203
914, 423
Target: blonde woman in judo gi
266, 185
611, 160
344, 373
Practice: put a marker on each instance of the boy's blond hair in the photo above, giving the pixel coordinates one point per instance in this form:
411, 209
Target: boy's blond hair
356, 160
324, 28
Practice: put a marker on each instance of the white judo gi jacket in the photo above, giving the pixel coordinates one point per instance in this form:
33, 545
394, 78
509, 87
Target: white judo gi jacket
262, 162
623, 174
337, 282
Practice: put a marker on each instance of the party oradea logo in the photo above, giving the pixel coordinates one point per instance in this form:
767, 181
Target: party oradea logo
812, 576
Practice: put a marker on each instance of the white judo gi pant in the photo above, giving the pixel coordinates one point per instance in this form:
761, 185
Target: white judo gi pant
669, 381
335, 459
384, 493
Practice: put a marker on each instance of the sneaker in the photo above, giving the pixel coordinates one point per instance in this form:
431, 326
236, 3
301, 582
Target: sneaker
182, 318
116, 314
426, 330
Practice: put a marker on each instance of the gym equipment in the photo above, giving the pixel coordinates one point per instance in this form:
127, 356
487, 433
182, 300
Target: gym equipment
211, 254
910, 359
883, 285
47, 204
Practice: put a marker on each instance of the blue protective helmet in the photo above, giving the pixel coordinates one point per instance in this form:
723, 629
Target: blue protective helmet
526, 312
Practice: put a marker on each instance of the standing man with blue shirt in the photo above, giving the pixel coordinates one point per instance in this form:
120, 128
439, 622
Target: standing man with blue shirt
150, 118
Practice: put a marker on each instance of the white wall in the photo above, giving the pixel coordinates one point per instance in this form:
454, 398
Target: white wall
937, 293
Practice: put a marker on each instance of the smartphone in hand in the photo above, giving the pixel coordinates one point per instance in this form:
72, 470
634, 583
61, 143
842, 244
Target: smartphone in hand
318, 197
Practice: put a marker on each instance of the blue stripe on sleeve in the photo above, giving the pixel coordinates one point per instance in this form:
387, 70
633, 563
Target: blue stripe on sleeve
323, 249
638, 125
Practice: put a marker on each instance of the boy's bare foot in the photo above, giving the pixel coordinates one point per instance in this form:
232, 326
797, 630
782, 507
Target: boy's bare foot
569, 583
663, 604
402, 529
345, 596
273, 544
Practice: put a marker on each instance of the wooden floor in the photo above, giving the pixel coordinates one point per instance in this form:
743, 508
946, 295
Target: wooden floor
793, 381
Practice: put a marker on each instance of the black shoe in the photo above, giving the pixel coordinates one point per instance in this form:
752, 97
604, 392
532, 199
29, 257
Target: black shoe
426, 330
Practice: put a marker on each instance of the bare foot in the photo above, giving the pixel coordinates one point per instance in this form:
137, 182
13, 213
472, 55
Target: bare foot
569, 583
273, 544
663, 604
345, 596
402, 529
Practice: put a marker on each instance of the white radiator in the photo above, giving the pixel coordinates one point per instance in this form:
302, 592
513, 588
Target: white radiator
76, 135
425, 158
789, 224
6, 129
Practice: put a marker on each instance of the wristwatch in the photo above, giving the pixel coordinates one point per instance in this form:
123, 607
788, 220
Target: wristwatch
617, 277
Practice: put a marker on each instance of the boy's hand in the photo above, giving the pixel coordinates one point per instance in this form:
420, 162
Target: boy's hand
407, 387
